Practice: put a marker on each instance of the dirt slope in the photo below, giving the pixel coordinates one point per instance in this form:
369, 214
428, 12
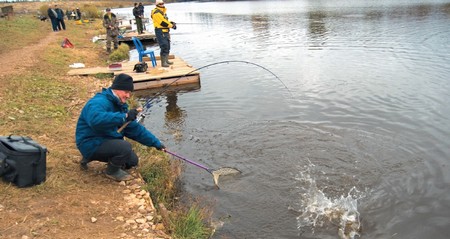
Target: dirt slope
88, 205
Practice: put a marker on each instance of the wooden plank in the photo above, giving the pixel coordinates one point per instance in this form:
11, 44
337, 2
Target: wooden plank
141, 85
154, 77
179, 68
89, 71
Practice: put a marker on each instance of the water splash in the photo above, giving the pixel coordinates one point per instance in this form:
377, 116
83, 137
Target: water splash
318, 210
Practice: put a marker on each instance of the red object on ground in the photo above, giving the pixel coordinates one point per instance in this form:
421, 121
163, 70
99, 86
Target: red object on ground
66, 43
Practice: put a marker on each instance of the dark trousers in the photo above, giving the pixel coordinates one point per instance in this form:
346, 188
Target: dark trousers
140, 29
54, 24
163, 39
117, 152
61, 24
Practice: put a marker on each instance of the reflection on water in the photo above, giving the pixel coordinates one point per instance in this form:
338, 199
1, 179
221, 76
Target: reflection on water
174, 116
368, 109
317, 29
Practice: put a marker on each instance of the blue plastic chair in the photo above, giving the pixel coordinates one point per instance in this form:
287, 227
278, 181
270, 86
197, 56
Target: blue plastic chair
142, 52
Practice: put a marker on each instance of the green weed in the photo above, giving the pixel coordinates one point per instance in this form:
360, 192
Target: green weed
190, 224
122, 53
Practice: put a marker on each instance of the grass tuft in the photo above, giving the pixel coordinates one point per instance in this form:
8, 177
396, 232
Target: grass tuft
190, 224
160, 177
122, 53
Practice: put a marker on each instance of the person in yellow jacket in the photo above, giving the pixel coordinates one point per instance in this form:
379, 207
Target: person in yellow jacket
162, 31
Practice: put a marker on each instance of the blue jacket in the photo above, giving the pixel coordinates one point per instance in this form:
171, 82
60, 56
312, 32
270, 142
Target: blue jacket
100, 119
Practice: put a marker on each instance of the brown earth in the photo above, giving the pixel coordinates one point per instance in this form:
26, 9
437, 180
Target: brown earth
71, 203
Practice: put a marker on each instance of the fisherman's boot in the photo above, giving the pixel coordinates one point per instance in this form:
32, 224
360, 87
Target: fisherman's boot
164, 61
108, 50
84, 164
116, 173
167, 60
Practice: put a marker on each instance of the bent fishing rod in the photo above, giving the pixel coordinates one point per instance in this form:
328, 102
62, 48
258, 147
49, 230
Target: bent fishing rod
147, 103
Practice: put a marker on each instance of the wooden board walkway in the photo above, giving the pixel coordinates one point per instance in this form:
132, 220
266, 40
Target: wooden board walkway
180, 73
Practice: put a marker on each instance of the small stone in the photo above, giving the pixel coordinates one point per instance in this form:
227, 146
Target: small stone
130, 221
120, 218
142, 209
146, 226
93, 219
141, 220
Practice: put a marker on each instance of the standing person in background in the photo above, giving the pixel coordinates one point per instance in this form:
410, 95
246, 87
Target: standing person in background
141, 10
162, 28
53, 18
78, 13
60, 13
68, 14
138, 17
112, 29
73, 15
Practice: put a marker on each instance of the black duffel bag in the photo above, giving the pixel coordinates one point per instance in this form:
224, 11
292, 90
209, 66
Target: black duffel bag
22, 161
140, 67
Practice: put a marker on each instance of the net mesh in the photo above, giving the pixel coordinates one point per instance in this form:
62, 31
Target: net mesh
223, 172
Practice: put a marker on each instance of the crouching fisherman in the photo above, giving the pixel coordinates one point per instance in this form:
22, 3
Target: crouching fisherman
97, 135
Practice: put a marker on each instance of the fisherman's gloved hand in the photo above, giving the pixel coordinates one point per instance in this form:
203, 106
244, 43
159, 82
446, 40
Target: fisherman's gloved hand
132, 115
162, 147
174, 25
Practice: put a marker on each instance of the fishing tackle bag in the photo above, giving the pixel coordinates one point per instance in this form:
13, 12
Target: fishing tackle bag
22, 161
140, 67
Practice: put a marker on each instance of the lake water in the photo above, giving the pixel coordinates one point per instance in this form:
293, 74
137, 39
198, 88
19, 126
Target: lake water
352, 140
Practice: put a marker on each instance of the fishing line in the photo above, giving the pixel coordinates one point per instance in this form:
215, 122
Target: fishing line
148, 102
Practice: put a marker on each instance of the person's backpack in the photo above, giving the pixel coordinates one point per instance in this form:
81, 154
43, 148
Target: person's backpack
140, 67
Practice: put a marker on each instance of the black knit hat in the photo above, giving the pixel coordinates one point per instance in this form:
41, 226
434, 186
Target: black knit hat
123, 82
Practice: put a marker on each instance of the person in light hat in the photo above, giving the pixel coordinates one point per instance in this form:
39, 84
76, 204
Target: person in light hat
162, 31
97, 135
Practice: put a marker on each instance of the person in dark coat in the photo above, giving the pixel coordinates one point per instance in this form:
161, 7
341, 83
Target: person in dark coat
78, 14
60, 18
97, 135
141, 11
138, 17
53, 15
